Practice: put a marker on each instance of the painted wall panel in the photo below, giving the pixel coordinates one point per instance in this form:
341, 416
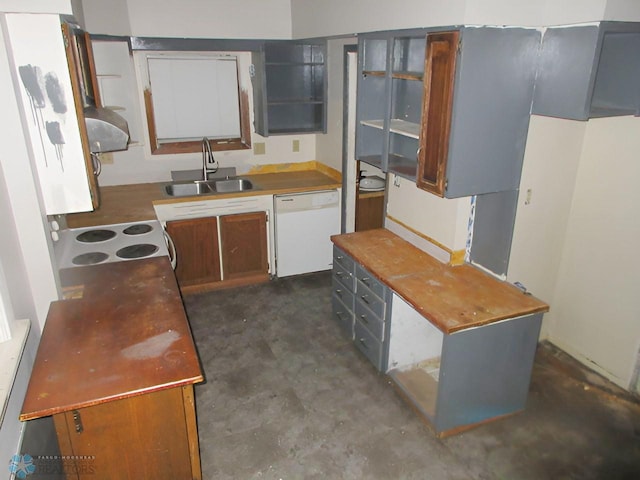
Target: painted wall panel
551, 161
443, 220
596, 301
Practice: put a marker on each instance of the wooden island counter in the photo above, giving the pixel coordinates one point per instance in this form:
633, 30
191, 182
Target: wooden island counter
115, 368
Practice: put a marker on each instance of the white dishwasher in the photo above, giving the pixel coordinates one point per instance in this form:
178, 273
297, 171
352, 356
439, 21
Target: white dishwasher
304, 223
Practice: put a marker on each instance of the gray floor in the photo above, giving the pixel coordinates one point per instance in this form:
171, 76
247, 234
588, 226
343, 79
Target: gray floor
288, 397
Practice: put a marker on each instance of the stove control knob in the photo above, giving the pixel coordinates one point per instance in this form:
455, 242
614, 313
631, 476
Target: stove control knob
55, 226
55, 236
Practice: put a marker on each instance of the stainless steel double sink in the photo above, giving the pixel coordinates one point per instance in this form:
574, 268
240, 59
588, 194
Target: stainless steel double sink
209, 187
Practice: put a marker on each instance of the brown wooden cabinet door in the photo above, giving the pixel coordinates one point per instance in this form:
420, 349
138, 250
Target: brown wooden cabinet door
146, 436
197, 252
85, 91
439, 74
244, 245
369, 211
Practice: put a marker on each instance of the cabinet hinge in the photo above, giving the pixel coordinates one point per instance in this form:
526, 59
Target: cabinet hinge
77, 421
459, 46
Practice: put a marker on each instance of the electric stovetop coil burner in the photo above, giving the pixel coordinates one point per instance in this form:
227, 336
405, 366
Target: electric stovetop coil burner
110, 243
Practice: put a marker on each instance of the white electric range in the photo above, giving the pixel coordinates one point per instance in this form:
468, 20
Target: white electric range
77, 247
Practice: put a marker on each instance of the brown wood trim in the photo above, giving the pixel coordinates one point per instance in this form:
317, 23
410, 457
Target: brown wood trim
73, 63
236, 282
425, 420
437, 110
421, 235
188, 400
464, 428
151, 123
245, 119
93, 73
224, 144
196, 146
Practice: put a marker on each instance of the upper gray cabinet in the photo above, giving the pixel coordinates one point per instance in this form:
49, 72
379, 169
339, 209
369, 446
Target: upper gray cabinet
448, 107
589, 71
290, 87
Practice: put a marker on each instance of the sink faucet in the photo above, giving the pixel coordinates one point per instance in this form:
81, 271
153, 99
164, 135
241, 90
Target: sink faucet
207, 159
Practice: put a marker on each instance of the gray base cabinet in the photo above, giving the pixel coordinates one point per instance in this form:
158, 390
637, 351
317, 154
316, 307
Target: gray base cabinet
459, 380
361, 306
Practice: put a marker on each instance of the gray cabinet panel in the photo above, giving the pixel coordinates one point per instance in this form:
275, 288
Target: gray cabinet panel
361, 305
290, 87
485, 372
495, 215
491, 105
589, 71
564, 80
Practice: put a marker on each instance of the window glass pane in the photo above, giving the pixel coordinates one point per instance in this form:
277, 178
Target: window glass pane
194, 97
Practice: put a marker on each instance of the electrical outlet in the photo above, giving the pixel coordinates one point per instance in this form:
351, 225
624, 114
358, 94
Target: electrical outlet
296, 145
527, 199
259, 148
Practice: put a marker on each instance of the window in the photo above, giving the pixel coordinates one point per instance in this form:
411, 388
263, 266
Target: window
189, 96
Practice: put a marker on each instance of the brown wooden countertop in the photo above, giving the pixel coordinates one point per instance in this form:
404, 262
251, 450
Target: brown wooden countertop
134, 202
128, 335
453, 298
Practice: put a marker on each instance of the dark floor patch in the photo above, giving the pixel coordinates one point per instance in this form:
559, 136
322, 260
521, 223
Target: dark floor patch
288, 397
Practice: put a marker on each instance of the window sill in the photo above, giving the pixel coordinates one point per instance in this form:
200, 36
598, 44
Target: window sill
10, 356
192, 147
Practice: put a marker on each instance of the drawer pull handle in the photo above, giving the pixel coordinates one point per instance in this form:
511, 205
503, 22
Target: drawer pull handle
339, 257
365, 280
364, 299
363, 343
340, 274
339, 315
364, 318
339, 292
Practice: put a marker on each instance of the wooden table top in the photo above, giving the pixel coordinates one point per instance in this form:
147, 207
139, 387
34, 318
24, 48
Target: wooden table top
453, 298
134, 202
128, 335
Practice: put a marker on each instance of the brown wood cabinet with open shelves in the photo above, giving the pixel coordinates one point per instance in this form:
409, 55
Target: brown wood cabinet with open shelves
217, 252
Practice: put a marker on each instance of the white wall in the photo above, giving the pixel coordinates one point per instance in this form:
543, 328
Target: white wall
596, 303
190, 18
441, 219
336, 17
551, 161
329, 146
25, 248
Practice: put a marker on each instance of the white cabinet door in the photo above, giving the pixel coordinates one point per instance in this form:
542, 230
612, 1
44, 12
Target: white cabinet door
43, 85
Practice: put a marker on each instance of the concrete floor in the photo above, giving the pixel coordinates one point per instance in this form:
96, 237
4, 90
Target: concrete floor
287, 396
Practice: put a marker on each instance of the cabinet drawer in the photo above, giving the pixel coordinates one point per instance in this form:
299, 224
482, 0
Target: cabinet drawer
370, 299
368, 345
343, 259
342, 314
346, 278
373, 322
369, 281
344, 294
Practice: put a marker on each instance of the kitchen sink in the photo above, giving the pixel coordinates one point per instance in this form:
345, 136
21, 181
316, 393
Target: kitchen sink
211, 187
232, 185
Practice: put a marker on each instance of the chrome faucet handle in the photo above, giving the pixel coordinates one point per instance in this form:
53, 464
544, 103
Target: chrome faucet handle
207, 158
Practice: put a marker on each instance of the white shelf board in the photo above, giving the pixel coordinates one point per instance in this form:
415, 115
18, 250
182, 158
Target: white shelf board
398, 126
